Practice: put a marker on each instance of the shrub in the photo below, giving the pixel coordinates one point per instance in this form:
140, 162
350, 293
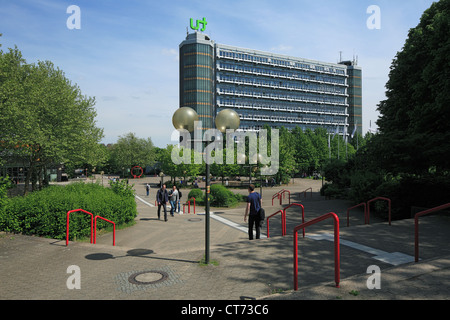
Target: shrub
332, 191
364, 185
197, 194
44, 212
426, 191
222, 197
5, 184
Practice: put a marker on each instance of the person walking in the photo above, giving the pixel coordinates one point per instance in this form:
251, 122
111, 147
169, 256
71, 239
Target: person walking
162, 197
147, 188
173, 200
254, 204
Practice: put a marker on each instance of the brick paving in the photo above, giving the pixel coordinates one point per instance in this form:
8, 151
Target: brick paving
37, 268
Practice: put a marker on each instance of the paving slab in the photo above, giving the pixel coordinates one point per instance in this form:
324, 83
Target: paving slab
169, 253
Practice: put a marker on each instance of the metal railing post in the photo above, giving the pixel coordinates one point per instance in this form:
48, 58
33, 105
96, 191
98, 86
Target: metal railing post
416, 227
375, 199
95, 229
336, 247
358, 205
68, 219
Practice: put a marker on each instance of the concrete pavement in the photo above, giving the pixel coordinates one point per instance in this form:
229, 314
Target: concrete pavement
158, 260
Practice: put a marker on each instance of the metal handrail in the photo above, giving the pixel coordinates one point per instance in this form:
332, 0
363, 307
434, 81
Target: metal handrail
283, 192
67, 223
304, 192
416, 228
368, 208
358, 205
277, 195
95, 229
189, 205
283, 221
336, 246
303, 215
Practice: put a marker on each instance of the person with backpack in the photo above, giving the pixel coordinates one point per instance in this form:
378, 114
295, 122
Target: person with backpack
162, 197
254, 204
173, 197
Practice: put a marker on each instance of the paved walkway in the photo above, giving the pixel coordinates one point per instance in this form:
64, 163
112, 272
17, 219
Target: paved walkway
165, 255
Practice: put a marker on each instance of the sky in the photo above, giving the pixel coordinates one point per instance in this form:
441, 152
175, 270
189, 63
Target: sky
125, 53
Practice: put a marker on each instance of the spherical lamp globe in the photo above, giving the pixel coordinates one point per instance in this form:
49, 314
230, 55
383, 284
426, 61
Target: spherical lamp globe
184, 118
227, 119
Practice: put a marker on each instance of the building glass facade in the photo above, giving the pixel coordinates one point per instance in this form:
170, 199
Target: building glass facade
277, 90
197, 77
355, 96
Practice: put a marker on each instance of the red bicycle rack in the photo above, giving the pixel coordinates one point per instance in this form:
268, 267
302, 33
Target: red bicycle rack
358, 205
283, 193
189, 205
283, 222
416, 227
93, 226
303, 215
304, 192
95, 229
276, 195
336, 246
67, 223
368, 208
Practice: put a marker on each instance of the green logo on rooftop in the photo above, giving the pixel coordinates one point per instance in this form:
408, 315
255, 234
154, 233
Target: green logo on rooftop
197, 25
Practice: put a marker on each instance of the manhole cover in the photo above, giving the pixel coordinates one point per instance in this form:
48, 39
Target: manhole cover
148, 277
195, 219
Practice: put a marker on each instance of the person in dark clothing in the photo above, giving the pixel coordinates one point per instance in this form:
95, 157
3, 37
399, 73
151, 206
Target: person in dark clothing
254, 204
162, 197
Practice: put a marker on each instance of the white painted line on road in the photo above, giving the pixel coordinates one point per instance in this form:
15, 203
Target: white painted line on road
149, 204
394, 258
232, 224
139, 198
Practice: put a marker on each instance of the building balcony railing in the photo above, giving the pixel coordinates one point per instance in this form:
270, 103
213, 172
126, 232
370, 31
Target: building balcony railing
281, 98
284, 66
222, 104
278, 119
281, 87
280, 76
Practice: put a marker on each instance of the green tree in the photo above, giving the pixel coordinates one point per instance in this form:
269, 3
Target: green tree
319, 139
130, 151
304, 151
287, 165
415, 117
45, 120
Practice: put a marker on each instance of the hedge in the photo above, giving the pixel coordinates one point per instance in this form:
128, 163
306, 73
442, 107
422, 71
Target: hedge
220, 196
43, 213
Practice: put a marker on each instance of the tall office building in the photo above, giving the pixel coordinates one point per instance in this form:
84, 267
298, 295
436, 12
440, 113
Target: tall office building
266, 88
355, 95
197, 77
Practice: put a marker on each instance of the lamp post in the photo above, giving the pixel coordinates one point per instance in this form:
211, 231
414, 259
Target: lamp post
184, 118
161, 174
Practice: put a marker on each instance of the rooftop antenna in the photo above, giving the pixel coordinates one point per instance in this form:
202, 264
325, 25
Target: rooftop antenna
340, 56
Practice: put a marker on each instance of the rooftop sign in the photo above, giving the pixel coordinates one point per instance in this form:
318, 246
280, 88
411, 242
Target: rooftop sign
197, 25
